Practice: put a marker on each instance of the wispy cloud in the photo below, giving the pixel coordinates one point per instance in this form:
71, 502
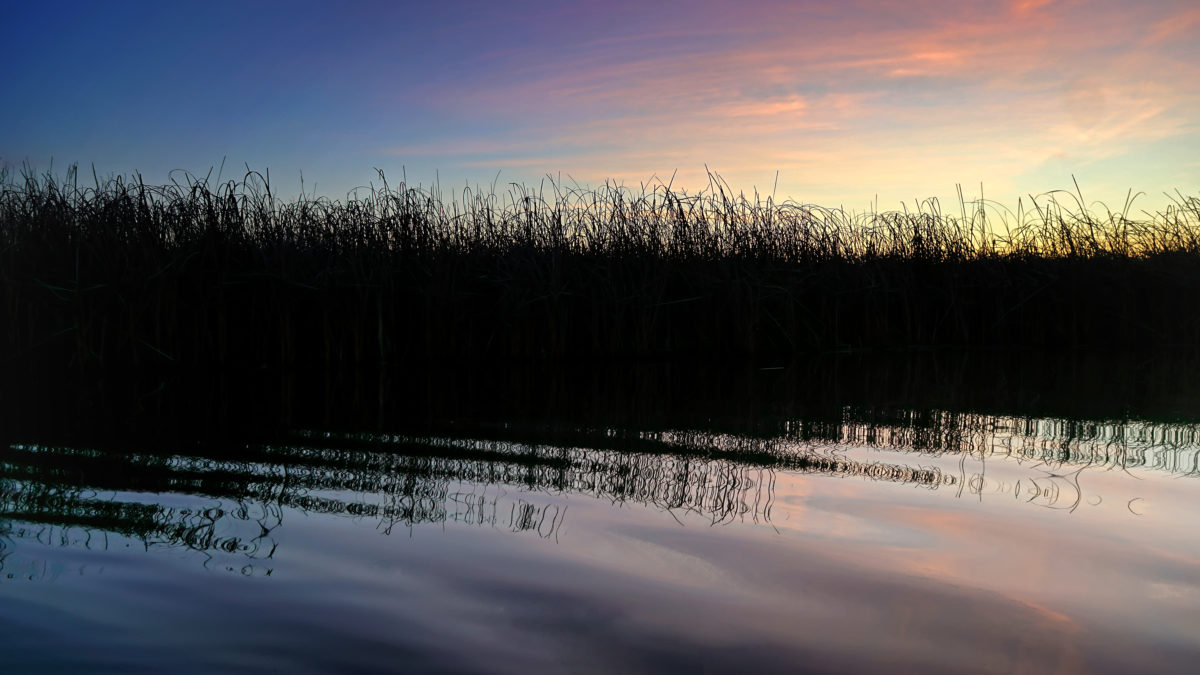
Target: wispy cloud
906, 95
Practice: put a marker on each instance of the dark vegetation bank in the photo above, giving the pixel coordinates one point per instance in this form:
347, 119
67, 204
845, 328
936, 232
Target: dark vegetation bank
117, 289
123, 274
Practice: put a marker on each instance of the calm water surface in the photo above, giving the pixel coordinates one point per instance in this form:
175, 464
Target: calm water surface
922, 541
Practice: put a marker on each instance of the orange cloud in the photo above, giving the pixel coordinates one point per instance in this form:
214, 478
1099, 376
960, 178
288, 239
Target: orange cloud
1024, 8
844, 106
1180, 26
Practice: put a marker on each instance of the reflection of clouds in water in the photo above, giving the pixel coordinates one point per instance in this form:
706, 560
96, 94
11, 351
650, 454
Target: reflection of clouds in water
900, 578
221, 534
1053, 463
226, 511
1043, 563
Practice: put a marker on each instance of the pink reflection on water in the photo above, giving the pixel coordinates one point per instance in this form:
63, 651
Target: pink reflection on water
1123, 561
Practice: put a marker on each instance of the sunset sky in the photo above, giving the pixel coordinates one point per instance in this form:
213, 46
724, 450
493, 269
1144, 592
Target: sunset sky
846, 100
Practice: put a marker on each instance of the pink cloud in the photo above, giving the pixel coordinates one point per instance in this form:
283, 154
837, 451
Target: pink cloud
1181, 26
1024, 8
961, 93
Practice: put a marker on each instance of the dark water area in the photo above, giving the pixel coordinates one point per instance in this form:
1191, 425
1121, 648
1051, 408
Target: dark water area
942, 512
260, 403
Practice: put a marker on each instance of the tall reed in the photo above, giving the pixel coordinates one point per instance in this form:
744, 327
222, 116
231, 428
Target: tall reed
117, 275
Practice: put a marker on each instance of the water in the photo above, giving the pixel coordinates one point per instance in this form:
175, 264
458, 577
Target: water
865, 540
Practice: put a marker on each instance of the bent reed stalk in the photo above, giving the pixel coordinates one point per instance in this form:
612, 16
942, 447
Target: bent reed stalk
122, 275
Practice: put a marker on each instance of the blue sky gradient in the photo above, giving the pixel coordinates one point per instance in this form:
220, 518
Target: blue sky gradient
848, 101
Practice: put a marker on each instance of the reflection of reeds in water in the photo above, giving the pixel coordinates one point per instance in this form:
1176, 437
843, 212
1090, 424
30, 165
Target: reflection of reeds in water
236, 499
1120, 444
60, 495
54, 510
68, 495
1053, 451
722, 477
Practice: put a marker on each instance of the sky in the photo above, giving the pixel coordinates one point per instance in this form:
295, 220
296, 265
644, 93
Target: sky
845, 103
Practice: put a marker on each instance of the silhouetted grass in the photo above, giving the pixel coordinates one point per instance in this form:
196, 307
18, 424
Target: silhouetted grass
120, 275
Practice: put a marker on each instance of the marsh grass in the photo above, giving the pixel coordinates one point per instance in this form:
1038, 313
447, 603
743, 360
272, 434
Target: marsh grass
118, 276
